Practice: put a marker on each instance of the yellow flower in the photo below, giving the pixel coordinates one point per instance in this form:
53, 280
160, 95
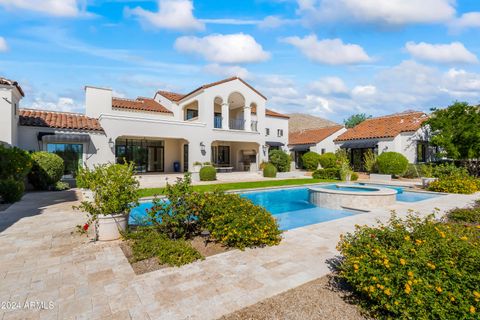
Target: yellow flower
476, 294
439, 289
472, 309
397, 303
387, 292
464, 238
431, 265
355, 266
452, 299
407, 238
374, 278
407, 288
402, 261
410, 274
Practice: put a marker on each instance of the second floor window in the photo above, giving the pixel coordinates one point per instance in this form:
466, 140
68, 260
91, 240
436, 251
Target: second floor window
191, 113
280, 133
267, 131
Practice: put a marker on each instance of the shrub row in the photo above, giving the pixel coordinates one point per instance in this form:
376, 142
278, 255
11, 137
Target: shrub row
453, 184
330, 174
15, 164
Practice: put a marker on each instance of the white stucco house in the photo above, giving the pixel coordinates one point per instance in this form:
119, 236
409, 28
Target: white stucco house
225, 123
400, 132
319, 140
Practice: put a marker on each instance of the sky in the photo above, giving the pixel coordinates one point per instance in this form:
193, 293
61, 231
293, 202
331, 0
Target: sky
329, 58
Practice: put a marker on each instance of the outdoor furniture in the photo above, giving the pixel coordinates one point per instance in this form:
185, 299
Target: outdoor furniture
224, 169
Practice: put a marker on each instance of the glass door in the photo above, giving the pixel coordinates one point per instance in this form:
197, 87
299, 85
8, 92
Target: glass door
155, 159
185, 158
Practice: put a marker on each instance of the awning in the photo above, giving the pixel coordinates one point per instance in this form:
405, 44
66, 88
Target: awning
274, 144
301, 147
359, 144
66, 137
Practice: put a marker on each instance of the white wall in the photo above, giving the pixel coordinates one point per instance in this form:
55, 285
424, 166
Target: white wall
328, 143
9, 101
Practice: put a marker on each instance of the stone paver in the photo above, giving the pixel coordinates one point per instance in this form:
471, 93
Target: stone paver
42, 259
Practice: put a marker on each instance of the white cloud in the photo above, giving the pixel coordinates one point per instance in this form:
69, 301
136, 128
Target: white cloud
329, 85
363, 91
64, 104
329, 51
228, 48
461, 83
227, 71
466, 21
171, 14
391, 12
3, 44
59, 8
271, 22
454, 52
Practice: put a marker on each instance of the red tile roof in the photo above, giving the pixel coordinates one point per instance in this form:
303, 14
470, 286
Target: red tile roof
385, 127
7, 82
312, 136
209, 85
172, 96
60, 120
271, 113
140, 104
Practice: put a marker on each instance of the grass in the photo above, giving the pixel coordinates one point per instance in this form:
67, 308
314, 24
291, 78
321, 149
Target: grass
239, 185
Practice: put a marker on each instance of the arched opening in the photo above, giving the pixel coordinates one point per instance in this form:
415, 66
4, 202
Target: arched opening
254, 118
190, 111
217, 112
236, 105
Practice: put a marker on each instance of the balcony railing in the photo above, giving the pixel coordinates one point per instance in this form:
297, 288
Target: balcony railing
254, 125
217, 122
237, 124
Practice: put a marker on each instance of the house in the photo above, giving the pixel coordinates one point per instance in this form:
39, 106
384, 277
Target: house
400, 132
319, 140
225, 123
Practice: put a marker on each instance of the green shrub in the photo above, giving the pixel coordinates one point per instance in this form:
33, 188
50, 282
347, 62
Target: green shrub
454, 185
148, 243
47, 169
208, 173
370, 161
464, 215
84, 178
14, 163
269, 171
115, 190
61, 186
418, 171
393, 163
354, 176
449, 170
414, 269
328, 160
280, 160
237, 222
176, 217
310, 160
328, 174
11, 190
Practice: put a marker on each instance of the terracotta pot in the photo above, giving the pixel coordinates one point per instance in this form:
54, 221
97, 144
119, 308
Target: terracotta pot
110, 226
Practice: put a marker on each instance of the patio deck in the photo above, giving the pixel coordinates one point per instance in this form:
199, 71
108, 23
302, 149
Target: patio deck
43, 260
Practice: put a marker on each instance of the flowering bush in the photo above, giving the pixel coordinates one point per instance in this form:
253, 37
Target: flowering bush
414, 268
236, 221
453, 184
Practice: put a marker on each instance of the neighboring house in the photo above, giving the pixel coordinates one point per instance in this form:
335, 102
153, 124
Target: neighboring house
401, 132
318, 140
225, 123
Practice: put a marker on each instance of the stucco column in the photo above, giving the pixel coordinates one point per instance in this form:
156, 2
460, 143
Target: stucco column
225, 116
247, 115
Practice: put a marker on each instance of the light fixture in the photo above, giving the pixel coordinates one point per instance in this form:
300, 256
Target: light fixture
202, 146
265, 148
111, 143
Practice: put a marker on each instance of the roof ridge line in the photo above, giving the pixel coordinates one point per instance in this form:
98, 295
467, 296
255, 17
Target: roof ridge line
53, 111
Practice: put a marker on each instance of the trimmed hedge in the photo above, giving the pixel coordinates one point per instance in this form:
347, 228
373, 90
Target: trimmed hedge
269, 171
393, 163
455, 184
280, 160
311, 160
11, 190
208, 173
330, 174
328, 160
15, 164
354, 176
46, 171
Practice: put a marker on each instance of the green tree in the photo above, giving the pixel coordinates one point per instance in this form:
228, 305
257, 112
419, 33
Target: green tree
355, 119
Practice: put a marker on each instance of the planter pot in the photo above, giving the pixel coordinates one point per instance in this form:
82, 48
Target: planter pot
427, 181
109, 227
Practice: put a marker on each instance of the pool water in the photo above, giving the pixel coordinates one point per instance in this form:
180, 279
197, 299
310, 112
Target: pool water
348, 188
292, 209
407, 196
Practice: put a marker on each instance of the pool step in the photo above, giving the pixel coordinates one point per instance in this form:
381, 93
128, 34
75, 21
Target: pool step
355, 209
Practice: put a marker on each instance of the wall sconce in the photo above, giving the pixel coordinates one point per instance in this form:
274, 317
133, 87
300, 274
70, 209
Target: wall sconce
202, 146
265, 148
111, 144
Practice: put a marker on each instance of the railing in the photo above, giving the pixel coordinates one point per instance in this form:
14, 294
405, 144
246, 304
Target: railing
237, 124
254, 125
217, 122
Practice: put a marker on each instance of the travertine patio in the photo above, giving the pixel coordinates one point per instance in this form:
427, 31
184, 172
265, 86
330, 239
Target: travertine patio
43, 260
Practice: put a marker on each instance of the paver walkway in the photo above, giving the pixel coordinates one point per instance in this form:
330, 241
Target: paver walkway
43, 260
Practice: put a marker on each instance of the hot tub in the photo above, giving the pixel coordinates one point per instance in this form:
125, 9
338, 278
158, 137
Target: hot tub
351, 196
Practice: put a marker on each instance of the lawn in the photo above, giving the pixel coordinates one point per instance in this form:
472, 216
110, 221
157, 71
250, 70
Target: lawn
239, 185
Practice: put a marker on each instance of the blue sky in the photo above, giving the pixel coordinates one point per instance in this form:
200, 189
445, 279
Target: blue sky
330, 58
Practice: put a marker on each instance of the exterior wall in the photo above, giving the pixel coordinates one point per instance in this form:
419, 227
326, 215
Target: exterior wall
328, 143
274, 124
9, 101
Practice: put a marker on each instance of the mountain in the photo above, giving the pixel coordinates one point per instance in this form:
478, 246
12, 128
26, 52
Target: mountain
301, 121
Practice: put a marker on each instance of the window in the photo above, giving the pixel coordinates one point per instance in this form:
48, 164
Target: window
70, 153
323, 151
221, 155
191, 113
267, 131
280, 133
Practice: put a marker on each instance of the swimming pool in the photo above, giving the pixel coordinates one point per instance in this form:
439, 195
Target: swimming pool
406, 196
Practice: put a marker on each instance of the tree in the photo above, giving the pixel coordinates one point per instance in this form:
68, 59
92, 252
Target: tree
355, 119
456, 130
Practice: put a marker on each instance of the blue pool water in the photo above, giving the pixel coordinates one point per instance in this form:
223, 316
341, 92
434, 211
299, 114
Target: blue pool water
407, 196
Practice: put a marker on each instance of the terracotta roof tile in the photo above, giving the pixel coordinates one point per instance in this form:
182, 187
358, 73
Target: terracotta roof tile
385, 127
140, 104
312, 136
7, 82
172, 96
60, 120
271, 113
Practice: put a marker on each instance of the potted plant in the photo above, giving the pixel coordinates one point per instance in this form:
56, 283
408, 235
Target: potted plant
83, 180
197, 165
115, 193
